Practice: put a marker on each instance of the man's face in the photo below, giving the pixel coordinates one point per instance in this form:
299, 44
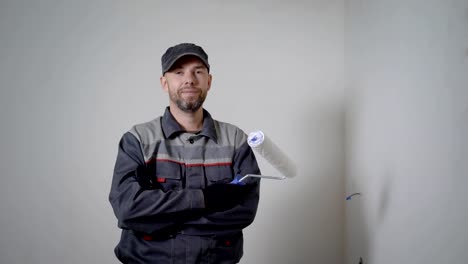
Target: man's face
187, 83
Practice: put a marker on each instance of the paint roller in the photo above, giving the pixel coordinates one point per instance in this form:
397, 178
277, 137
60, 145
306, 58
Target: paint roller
266, 148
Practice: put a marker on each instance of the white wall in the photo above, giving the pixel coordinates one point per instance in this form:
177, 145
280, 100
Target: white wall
406, 132
75, 75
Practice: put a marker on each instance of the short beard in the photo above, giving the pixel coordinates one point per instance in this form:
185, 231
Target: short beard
187, 107
191, 107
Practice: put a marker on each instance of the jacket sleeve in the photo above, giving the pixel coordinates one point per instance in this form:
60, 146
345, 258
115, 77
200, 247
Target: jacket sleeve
142, 210
244, 213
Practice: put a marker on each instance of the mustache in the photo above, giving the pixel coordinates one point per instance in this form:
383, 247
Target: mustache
189, 88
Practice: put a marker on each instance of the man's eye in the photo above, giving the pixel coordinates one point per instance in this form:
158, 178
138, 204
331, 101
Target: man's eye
178, 72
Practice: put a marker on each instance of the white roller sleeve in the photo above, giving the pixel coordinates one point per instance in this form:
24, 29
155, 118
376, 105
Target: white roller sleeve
268, 150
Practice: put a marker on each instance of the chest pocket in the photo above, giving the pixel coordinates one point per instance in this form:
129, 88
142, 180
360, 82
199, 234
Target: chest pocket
169, 175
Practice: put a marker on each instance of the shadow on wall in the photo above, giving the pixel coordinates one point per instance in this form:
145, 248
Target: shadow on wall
374, 180
357, 231
360, 210
384, 195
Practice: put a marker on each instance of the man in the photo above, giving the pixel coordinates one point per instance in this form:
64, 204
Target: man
175, 191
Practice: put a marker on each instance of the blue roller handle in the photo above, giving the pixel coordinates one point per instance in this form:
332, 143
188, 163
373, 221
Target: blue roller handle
236, 180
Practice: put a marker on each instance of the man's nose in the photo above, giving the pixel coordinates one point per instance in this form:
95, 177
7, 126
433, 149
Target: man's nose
190, 78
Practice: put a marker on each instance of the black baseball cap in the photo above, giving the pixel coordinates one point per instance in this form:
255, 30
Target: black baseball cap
178, 51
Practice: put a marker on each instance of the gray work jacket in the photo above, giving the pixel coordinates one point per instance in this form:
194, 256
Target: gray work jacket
169, 224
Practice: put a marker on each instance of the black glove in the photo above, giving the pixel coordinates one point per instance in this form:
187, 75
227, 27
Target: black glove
146, 176
223, 196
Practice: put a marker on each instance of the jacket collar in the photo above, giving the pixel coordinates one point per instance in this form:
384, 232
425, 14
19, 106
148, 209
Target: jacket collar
171, 128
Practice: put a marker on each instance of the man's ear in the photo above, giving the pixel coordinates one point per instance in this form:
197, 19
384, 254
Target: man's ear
210, 78
163, 81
